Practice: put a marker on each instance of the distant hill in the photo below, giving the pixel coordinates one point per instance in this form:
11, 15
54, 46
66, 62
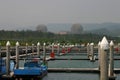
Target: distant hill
112, 29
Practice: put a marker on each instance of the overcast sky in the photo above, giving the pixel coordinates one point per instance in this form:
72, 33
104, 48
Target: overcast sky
31, 12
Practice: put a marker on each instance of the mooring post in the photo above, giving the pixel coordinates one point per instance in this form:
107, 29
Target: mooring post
58, 48
104, 46
111, 62
118, 50
0, 51
38, 49
32, 49
92, 50
17, 55
99, 54
8, 58
88, 50
26, 50
44, 53
52, 47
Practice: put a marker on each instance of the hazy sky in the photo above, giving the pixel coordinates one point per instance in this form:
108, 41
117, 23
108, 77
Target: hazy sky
30, 12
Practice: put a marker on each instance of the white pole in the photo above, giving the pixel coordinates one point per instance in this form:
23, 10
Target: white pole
17, 55
58, 46
99, 54
26, 50
44, 53
88, 50
32, 49
111, 64
92, 50
52, 47
38, 49
0, 51
104, 59
8, 58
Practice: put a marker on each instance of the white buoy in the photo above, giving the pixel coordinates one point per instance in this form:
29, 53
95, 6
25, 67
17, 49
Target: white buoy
8, 58
17, 55
104, 46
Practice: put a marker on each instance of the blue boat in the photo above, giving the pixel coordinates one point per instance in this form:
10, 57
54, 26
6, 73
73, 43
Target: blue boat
2, 67
32, 68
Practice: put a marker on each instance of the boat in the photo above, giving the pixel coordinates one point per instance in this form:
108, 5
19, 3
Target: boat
2, 67
3, 70
32, 68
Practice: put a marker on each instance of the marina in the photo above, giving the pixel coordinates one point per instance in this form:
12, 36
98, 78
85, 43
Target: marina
59, 40
41, 65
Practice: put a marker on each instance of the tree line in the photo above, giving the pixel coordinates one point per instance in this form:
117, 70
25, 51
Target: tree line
37, 36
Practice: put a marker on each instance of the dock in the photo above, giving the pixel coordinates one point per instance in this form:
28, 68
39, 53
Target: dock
88, 70
91, 70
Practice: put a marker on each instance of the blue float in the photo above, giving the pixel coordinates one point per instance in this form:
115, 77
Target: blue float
31, 68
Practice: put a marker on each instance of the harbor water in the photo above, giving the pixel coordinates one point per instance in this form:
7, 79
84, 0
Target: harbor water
74, 60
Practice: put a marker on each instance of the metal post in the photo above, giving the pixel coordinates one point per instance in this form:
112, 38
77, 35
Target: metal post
99, 54
32, 49
111, 64
7, 58
52, 47
38, 49
58, 47
17, 55
92, 50
0, 51
104, 59
44, 53
26, 50
88, 50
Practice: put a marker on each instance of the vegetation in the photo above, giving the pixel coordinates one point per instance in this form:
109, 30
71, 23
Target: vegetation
36, 36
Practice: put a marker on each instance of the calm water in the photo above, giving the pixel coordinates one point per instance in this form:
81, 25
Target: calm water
71, 76
74, 64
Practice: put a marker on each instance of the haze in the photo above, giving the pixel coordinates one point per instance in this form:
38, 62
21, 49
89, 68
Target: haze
34, 12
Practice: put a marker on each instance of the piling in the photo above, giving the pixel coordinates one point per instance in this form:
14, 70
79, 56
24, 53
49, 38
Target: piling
8, 58
52, 54
92, 51
58, 48
44, 53
111, 62
17, 55
33, 49
26, 50
52, 47
88, 50
99, 54
38, 49
104, 59
0, 51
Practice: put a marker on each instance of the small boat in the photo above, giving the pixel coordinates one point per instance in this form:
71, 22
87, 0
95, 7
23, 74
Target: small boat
2, 67
32, 68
